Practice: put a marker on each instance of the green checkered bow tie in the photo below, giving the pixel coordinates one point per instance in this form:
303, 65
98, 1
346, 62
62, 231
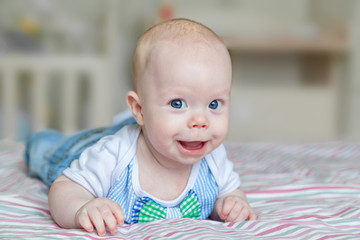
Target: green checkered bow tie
189, 208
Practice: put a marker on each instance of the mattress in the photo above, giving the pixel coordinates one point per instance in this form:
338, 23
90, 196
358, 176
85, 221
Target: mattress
298, 191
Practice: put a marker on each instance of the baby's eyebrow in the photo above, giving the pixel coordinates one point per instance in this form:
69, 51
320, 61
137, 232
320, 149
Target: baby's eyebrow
167, 95
221, 92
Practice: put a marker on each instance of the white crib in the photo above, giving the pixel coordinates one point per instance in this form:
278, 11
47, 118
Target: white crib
40, 68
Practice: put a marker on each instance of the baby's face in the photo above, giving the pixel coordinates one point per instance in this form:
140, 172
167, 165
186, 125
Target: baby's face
185, 98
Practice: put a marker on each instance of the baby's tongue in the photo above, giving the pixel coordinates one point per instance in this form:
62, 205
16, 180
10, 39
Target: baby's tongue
192, 145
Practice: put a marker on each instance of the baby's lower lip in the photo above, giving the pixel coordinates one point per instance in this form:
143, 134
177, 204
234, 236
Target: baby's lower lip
193, 147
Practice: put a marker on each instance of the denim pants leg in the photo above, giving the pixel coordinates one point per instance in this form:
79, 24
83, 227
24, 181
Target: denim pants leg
49, 152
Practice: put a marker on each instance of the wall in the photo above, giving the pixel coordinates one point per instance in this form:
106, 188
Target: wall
111, 28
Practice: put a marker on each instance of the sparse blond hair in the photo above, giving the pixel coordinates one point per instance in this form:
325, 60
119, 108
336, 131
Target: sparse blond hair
176, 30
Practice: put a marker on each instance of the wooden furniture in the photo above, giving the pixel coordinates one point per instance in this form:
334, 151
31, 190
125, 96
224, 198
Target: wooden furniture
38, 97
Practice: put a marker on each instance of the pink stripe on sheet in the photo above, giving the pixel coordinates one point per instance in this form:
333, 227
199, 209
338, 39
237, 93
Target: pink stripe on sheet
321, 217
275, 229
186, 230
332, 236
65, 234
15, 183
34, 200
308, 216
253, 224
295, 210
51, 223
33, 234
301, 234
44, 210
301, 189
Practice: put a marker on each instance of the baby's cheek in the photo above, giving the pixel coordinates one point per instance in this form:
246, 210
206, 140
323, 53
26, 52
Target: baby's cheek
160, 137
220, 126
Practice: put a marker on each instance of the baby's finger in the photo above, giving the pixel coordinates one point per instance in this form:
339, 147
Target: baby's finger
252, 215
118, 213
109, 219
228, 205
219, 206
84, 222
236, 213
243, 215
97, 221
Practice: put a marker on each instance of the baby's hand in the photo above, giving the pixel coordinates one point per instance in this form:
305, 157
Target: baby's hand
234, 208
99, 213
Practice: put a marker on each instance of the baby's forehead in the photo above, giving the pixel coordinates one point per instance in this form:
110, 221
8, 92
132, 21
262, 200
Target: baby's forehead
183, 45
178, 33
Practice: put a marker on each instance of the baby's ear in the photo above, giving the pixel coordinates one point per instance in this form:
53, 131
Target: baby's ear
133, 101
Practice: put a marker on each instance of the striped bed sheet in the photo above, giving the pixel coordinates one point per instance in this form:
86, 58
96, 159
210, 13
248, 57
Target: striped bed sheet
299, 191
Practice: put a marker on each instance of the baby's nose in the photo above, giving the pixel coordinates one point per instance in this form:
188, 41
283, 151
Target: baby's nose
199, 121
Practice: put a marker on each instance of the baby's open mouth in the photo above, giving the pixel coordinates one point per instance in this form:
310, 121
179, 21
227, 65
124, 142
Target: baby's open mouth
193, 148
195, 145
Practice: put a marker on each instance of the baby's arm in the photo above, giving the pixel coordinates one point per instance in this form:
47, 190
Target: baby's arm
72, 206
233, 207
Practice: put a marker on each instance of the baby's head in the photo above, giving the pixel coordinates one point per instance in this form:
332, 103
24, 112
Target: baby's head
182, 80
183, 32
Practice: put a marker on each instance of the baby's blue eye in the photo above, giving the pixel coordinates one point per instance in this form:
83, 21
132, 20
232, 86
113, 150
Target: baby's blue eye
215, 104
177, 103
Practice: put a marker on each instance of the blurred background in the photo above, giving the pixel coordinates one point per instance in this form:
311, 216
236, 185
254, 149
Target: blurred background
67, 64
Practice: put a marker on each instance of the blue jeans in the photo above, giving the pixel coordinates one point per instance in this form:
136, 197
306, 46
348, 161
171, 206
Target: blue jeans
48, 152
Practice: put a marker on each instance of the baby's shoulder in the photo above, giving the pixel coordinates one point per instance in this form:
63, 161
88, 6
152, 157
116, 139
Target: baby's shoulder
217, 156
124, 138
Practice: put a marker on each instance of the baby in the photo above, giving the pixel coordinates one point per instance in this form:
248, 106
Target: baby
171, 164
